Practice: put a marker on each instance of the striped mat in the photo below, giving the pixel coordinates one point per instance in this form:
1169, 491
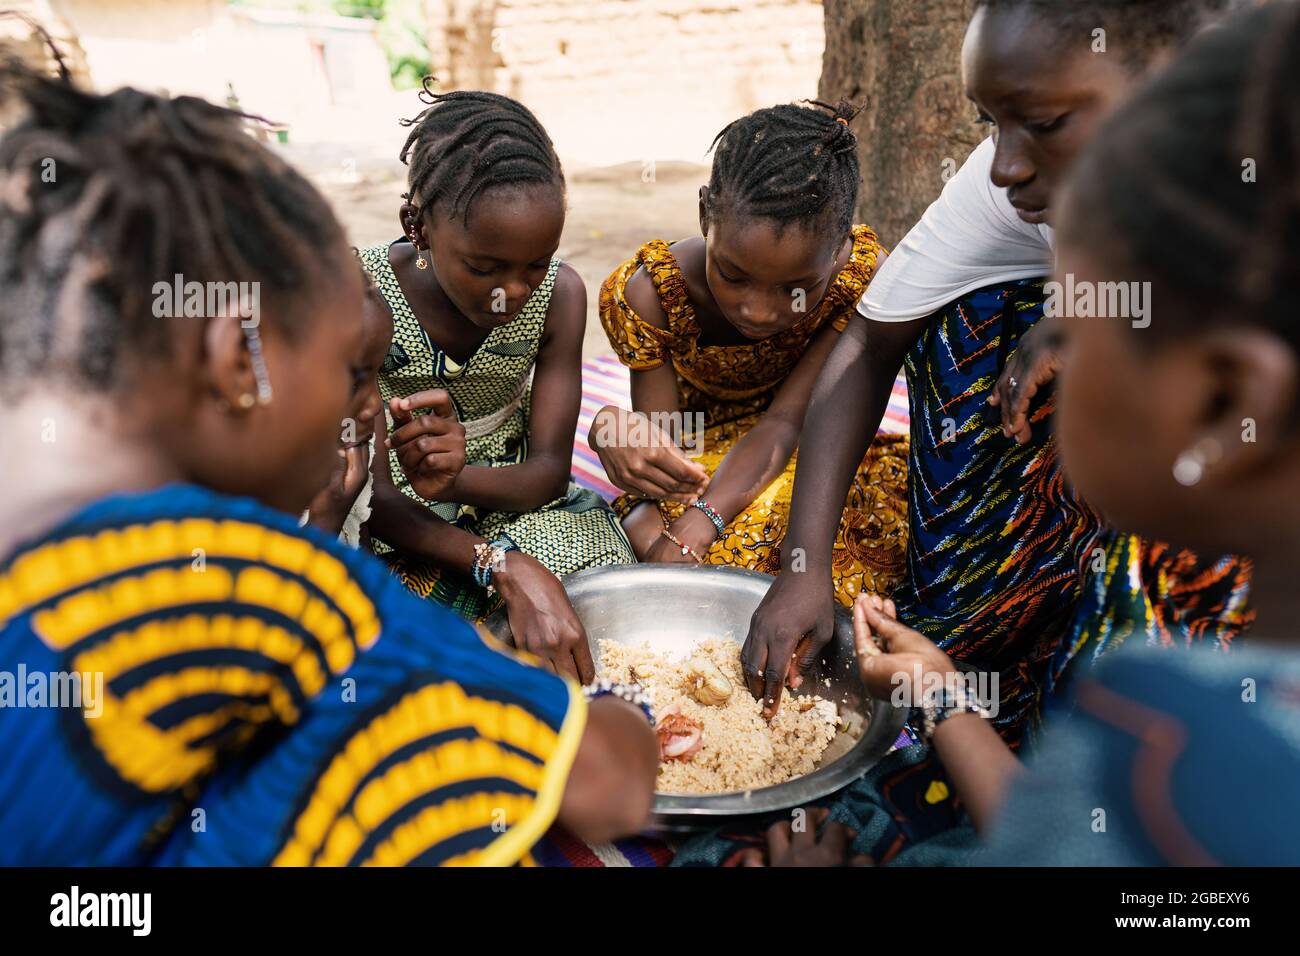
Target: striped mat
559, 849
606, 382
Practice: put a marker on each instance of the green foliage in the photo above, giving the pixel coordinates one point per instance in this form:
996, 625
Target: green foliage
374, 9
402, 33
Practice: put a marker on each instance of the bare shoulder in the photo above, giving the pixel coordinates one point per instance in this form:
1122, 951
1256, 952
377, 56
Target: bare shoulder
568, 300
643, 297
568, 285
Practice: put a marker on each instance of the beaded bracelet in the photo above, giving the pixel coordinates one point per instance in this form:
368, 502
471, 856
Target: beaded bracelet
711, 513
686, 548
632, 693
952, 702
488, 559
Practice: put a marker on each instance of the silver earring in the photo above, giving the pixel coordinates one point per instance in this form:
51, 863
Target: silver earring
1190, 467
258, 360
1188, 470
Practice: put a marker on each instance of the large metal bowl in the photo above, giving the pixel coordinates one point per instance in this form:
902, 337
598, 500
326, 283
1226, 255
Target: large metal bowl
672, 607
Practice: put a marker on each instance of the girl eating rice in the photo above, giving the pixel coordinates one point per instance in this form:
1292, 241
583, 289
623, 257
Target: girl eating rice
731, 328
484, 311
269, 695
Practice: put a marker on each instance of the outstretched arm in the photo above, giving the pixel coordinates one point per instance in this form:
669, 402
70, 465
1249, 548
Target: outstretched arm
980, 765
612, 782
762, 453
848, 403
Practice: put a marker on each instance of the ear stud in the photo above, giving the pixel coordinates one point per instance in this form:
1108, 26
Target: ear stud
247, 401
1191, 465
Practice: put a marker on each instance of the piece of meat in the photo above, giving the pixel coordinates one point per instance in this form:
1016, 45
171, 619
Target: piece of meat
680, 738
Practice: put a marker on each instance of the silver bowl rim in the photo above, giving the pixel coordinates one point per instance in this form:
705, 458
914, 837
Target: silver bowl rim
884, 725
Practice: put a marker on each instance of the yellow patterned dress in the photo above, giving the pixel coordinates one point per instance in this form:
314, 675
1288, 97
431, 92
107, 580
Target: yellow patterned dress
732, 386
492, 394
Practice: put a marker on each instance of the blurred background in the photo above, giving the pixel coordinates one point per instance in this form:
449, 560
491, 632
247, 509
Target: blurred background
631, 91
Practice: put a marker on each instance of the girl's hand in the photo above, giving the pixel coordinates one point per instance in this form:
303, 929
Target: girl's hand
890, 654
693, 529
1034, 363
329, 509
819, 842
641, 459
787, 632
431, 448
542, 620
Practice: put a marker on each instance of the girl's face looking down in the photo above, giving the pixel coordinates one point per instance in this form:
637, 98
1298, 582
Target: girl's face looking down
284, 452
1135, 404
489, 269
765, 276
1044, 95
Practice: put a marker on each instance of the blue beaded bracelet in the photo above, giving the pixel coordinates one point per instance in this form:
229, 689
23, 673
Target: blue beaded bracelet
712, 514
487, 558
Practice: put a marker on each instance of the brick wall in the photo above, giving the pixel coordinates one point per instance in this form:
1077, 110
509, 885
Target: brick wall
618, 80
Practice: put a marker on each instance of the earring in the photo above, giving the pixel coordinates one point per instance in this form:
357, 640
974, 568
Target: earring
258, 360
1190, 467
419, 253
247, 401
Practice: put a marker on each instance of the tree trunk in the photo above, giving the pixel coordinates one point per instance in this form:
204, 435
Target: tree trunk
903, 58
461, 37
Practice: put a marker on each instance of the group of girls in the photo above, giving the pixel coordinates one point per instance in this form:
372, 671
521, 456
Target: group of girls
272, 538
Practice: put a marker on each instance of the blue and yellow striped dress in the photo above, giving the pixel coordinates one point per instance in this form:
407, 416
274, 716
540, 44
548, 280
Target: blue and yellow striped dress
268, 697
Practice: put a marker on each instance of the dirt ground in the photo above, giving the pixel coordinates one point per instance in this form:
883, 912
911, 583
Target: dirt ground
612, 210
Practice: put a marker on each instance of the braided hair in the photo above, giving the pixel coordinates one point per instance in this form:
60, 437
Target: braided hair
1141, 28
467, 142
103, 196
1214, 220
788, 164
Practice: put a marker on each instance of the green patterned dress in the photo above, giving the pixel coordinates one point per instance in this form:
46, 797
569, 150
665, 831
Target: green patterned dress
492, 393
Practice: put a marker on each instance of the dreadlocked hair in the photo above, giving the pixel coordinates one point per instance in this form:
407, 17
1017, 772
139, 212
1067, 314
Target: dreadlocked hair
789, 164
467, 142
1140, 29
1231, 200
104, 196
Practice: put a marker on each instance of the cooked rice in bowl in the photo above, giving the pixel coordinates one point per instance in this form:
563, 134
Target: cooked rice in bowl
738, 748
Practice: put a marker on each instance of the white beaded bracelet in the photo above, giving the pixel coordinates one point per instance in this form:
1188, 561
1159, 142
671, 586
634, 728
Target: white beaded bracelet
632, 693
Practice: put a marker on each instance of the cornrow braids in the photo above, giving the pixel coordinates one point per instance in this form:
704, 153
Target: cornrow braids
467, 142
104, 196
1140, 29
789, 164
1232, 200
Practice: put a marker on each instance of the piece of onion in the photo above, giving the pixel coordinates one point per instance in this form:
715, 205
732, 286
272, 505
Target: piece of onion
680, 738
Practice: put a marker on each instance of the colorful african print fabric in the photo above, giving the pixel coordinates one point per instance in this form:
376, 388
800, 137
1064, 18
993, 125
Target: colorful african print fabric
492, 394
1009, 573
1008, 570
997, 539
731, 386
254, 693
1164, 745
1153, 592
